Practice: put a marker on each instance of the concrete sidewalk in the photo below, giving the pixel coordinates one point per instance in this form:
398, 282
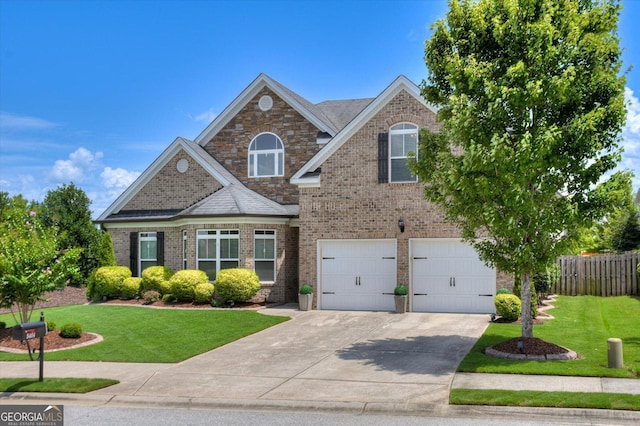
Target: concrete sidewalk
320, 360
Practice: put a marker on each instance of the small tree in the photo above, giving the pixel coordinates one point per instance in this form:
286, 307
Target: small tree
31, 263
532, 105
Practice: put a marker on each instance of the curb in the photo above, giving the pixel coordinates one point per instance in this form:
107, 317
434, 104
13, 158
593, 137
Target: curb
356, 408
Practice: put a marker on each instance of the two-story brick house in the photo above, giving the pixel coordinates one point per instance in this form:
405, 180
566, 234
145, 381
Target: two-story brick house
304, 193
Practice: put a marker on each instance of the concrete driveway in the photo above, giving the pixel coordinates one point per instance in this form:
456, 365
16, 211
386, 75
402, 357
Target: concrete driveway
329, 356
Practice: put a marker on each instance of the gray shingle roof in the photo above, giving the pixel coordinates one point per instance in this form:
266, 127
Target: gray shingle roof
236, 199
340, 113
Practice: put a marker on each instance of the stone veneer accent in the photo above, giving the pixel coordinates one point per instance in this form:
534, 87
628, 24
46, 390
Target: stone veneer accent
170, 189
231, 145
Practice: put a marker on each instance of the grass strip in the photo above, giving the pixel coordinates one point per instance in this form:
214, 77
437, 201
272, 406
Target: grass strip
544, 399
61, 385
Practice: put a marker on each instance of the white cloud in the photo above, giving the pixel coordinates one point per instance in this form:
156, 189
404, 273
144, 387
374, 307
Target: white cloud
13, 121
631, 137
118, 178
206, 116
73, 169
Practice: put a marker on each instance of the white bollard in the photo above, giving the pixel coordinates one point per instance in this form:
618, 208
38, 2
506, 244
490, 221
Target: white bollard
614, 352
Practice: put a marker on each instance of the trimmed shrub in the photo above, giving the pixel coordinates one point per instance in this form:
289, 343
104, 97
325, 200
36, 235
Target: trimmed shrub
306, 289
150, 297
237, 284
51, 325
508, 306
184, 282
107, 281
168, 298
203, 293
71, 331
130, 287
544, 281
156, 278
400, 290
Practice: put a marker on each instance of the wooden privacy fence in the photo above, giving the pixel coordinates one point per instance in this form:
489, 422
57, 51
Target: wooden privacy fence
602, 275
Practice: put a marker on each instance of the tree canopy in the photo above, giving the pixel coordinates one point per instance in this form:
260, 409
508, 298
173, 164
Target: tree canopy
531, 100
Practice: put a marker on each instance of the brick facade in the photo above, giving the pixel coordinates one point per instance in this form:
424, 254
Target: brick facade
352, 204
230, 146
170, 189
283, 289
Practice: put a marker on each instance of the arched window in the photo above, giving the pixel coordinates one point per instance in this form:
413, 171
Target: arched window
403, 144
266, 156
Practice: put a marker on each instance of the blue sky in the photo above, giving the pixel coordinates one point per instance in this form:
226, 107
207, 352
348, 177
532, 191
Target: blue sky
91, 92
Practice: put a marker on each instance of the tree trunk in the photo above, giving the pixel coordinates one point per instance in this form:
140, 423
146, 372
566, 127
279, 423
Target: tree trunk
525, 299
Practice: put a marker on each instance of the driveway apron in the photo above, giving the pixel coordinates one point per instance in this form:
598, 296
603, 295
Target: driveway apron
329, 356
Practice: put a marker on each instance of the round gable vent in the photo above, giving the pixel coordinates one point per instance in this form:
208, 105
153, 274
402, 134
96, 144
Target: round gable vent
265, 103
182, 166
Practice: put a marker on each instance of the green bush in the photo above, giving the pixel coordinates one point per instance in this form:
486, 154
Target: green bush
544, 281
3, 325
107, 281
237, 284
184, 282
168, 298
130, 287
150, 296
306, 289
51, 325
71, 331
400, 290
156, 278
203, 293
508, 306
504, 291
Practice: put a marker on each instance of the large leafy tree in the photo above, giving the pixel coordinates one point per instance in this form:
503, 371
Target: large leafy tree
68, 209
532, 106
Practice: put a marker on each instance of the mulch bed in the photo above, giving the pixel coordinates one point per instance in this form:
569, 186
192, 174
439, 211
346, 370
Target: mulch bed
52, 340
531, 346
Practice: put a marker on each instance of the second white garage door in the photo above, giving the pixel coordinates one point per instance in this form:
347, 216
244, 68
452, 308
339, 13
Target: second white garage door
357, 274
448, 276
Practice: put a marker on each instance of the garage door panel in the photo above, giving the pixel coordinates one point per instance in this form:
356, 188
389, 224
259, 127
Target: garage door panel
355, 274
452, 276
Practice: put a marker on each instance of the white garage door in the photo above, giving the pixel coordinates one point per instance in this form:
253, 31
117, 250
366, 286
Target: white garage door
357, 274
448, 276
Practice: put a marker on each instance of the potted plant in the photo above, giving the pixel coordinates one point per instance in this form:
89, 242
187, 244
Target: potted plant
305, 298
400, 295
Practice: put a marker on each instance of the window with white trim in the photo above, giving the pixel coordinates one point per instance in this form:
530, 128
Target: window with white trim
403, 144
265, 255
148, 254
266, 156
217, 249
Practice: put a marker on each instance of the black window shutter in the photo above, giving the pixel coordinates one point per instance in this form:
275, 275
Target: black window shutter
383, 157
133, 253
160, 246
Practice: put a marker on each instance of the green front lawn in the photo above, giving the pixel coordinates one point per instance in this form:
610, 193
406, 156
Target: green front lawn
136, 334
583, 324
608, 401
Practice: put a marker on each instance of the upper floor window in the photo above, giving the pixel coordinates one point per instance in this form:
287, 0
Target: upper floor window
266, 156
403, 144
